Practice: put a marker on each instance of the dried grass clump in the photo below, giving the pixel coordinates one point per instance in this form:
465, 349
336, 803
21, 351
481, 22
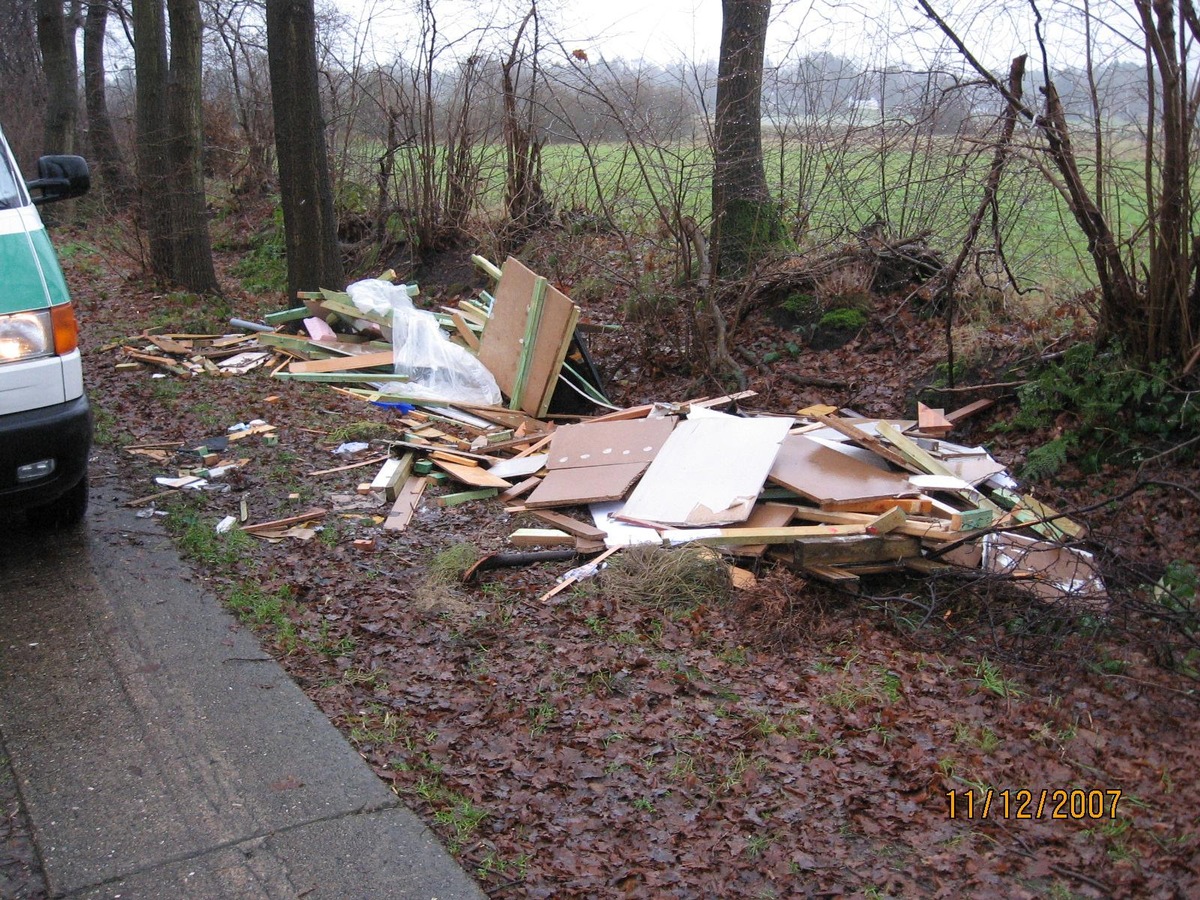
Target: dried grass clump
667, 577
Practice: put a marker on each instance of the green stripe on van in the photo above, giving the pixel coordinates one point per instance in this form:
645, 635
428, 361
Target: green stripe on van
30, 277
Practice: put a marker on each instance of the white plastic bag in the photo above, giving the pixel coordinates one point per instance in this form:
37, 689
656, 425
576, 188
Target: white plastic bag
437, 368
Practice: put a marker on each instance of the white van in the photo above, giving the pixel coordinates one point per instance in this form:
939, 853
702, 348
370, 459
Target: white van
45, 421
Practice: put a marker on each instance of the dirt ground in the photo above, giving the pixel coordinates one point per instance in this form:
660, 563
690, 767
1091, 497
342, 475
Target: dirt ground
931, 737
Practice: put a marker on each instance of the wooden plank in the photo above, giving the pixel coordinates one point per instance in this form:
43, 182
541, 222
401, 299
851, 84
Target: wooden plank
465, 331
735, 537
924, 529
837, 577
841, 550
766, 515
393, 472
286, 315
541, 537
487, 266
916, 506
309, 516
340, 377
466, 496
407, 501
520, 489
969, 410
476, 476
346, 363
569, 524
470, 313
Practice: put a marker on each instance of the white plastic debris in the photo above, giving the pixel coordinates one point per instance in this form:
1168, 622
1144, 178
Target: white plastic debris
351, 447
226, 524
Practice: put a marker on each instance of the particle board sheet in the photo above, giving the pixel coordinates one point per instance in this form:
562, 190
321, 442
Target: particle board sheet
709, 472
597, 461
502, 345
824, 475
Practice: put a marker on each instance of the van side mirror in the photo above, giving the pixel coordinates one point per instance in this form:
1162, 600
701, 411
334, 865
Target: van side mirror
60, 178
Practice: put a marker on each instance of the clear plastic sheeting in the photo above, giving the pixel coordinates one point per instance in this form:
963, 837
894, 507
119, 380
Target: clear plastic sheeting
437, 368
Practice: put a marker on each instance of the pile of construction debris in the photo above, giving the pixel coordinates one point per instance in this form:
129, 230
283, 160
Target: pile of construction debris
835, 496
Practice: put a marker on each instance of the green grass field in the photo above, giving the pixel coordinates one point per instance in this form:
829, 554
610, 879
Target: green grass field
828, 190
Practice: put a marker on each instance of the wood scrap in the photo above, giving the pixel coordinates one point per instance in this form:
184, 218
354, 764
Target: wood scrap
312, 515
407, 501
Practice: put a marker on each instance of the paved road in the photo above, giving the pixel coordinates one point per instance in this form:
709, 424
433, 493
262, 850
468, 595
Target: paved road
160, 753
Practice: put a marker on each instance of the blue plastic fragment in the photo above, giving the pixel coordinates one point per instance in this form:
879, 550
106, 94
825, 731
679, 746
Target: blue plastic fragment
403, 407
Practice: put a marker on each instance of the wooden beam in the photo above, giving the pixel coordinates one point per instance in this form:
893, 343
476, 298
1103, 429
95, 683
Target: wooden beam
346, 363
407, 501
393, 472
569, 525
533, 319
736, 537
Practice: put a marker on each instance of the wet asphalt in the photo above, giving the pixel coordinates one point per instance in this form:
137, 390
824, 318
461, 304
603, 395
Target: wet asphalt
160, 753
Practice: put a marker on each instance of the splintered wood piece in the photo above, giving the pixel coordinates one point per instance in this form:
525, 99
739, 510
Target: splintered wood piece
843, 550
869, 441
932, 421
406, 504
309, 516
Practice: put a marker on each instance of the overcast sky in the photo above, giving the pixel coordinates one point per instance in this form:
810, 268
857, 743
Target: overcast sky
663, 31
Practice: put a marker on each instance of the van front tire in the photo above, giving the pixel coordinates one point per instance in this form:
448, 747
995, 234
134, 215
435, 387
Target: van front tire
65, 512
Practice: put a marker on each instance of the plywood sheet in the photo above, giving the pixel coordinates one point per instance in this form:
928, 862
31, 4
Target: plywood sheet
597, 461
503, 341
608, 443
709, 472
825, 475
591, 484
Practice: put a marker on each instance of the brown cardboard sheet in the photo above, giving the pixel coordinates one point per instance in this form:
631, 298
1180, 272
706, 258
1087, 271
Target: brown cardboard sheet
824, 475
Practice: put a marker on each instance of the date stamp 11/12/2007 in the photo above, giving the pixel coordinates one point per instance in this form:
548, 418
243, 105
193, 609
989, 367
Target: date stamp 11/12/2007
1074, 804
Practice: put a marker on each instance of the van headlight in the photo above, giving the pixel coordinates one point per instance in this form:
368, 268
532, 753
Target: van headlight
26, 335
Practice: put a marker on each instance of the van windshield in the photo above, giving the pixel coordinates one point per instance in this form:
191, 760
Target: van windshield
10, 191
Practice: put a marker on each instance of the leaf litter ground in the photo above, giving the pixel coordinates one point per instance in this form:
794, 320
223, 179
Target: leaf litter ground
792, 742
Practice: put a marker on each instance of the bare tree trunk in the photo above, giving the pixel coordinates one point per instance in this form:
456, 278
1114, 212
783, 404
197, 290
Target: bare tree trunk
524, 200
310, 228
114, 177
153, 134
56, 38
191, 249
746, 222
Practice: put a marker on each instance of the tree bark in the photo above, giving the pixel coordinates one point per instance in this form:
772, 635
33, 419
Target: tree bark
56, 38
310, 227
114, 176
191, 248
153, 135
746, 222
